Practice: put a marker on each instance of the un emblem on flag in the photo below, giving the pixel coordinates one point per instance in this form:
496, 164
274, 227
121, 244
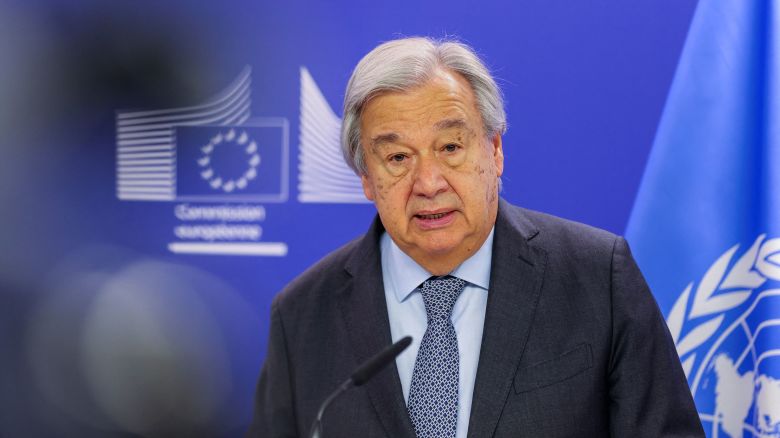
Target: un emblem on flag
727, 334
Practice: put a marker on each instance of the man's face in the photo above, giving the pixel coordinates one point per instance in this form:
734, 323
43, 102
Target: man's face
431, 170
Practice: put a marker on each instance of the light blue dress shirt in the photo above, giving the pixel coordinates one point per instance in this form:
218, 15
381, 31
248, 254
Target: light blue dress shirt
406, 309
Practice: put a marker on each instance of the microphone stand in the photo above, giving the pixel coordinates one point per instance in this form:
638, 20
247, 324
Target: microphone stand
363, 374
316, 427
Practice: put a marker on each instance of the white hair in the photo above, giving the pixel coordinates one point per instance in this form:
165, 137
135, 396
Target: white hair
403, 64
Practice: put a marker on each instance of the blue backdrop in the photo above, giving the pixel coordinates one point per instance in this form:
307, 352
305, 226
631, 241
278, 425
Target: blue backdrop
142, 242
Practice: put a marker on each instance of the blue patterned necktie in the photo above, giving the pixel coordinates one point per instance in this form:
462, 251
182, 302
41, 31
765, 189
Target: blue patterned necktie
433, 396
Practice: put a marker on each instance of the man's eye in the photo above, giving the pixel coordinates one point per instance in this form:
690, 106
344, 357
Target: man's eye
397, 158
451, 147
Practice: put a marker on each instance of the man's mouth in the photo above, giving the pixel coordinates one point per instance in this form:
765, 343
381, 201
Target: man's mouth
437, 220
432, 216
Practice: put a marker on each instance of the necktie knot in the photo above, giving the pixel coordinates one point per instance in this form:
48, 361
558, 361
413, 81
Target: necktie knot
439, 295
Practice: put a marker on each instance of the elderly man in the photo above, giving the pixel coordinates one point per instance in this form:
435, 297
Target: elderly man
523, 324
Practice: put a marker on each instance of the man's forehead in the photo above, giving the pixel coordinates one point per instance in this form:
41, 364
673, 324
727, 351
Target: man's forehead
443, 103
444, 87
447, 124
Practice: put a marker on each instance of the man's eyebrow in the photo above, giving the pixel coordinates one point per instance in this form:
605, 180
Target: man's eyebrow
380, 139
442, 125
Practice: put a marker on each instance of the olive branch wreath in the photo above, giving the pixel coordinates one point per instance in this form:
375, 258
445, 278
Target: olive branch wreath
720, 290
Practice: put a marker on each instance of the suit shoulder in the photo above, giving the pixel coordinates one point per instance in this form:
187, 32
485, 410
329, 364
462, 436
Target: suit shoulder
567, 236
321, 278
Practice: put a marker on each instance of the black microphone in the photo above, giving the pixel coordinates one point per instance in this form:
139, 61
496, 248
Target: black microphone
363, 374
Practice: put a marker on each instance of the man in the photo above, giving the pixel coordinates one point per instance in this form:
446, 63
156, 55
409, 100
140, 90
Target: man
523, 324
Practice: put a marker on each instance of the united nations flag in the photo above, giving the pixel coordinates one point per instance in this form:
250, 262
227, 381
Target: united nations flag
705, 228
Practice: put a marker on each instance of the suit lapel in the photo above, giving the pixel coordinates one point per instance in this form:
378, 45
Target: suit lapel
515, 282
364, 311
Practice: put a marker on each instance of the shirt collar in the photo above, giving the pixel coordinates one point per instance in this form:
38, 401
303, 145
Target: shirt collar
406, 275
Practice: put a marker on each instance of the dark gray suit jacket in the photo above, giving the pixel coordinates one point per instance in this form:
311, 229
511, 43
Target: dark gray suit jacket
573, 343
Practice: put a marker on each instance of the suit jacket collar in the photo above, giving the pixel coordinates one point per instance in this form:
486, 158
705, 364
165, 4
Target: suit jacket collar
515, 284
515, 281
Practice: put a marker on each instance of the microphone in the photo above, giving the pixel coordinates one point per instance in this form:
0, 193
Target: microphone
360, 376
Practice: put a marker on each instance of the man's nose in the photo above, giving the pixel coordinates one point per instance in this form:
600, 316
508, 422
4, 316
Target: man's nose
429, 178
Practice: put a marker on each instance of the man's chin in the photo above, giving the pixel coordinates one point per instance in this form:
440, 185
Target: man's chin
439, 251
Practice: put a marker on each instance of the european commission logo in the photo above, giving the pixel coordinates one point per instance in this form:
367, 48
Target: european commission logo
232, 163
213, 160
218, 163
212, 152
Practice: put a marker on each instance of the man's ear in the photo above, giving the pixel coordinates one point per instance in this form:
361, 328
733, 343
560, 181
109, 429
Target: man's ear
367, 188
498, 154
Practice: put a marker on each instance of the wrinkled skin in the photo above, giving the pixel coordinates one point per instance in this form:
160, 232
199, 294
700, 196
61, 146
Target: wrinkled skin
431, 170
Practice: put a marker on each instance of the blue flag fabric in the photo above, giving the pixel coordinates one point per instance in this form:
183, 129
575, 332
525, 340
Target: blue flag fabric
705, 228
